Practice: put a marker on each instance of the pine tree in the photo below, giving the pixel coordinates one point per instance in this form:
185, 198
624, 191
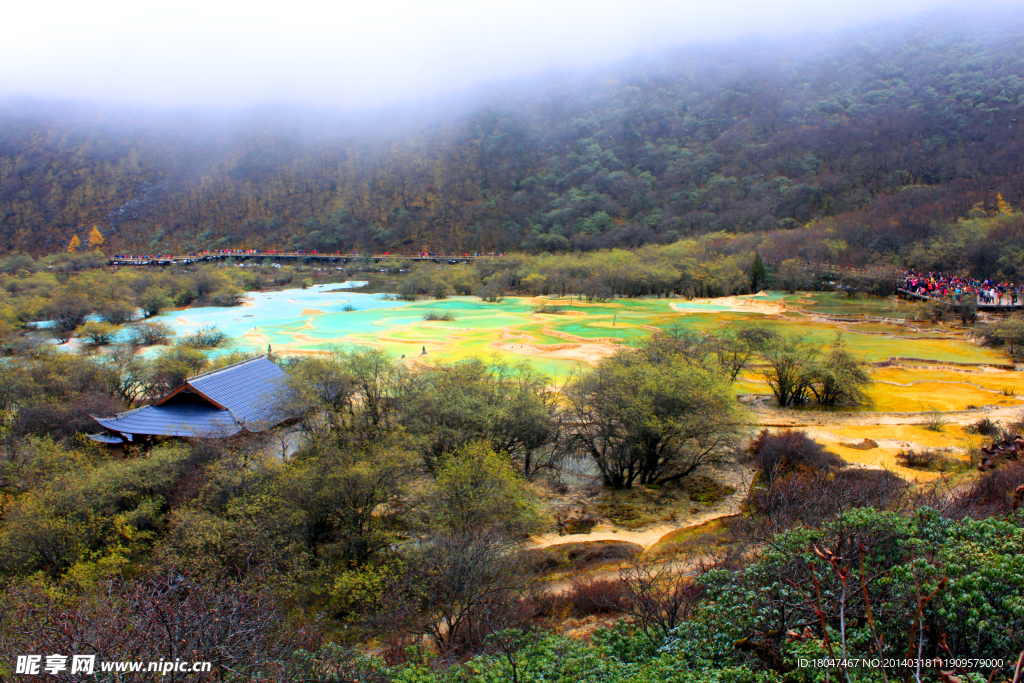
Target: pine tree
758, 273
74, 244
95, 238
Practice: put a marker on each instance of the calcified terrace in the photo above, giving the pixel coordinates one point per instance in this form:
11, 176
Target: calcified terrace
931, 366
919, 367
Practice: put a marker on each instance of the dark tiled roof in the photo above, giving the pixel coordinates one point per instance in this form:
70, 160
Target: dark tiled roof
103, 438
252, 392
174, 420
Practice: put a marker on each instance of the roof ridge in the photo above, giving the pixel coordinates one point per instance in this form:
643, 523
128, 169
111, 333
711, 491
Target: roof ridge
226, 367
117, 416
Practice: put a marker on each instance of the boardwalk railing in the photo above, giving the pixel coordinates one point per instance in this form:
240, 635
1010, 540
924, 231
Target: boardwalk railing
981, 306
167, 260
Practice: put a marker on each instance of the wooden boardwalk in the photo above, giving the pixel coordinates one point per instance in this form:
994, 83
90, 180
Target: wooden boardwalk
981, 307
203, 257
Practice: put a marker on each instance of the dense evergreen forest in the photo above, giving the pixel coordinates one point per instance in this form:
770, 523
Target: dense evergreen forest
855, 152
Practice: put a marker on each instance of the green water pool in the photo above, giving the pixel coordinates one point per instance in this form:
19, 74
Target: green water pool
306, 321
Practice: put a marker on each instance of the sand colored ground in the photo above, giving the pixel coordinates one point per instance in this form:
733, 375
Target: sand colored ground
839, 440
923, 396
765, 415
585, 353
255, 337
740, 304
574, 338
951, 436
311, 311
1008, 381
647, 537
686, 514
901, 390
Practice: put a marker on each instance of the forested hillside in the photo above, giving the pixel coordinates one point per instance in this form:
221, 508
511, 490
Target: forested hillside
873, 143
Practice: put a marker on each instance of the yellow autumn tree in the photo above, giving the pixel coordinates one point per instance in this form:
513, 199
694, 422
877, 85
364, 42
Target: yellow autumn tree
1004, 208
74, 244
95, 238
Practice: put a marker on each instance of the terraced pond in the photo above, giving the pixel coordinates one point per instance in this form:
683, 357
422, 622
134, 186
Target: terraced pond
938, 367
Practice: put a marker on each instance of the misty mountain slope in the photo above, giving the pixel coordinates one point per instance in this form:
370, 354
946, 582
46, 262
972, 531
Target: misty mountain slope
883, 137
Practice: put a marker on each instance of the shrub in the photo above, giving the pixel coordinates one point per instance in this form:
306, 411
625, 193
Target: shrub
577, 556
205, 337
864, 445
476, 488
65, 419
810, 498
227, 298
238, 627
67, 312
154, 300
436, 315
931, 585
149, 334
984, 426
585, 596
934, 420
492, 291
98, 333
659, 595
407, 291
992, 493
1008, 433
840, 376
589, 596
116, 312
791, 451
929, 459
397, 649
548, 309
184, 297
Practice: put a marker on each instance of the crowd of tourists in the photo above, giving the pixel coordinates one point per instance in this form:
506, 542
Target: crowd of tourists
956, 288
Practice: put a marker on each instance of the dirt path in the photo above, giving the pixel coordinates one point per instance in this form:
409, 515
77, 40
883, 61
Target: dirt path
688, 564
645, 537
736, 475
772, 417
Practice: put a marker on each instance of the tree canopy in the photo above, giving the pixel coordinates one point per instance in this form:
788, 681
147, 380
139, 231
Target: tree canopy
650, 418
860, 151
